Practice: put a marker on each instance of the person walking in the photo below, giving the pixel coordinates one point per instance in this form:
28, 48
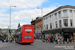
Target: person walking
56, 38
48, 39
11, 39
51, 39
67, 40
63, 40
3, 39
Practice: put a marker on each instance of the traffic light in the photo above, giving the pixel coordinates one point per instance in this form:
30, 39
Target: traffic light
62, 31
9, 31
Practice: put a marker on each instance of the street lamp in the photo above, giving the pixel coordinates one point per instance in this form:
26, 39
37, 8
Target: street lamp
41, 16
10, 20
41, 11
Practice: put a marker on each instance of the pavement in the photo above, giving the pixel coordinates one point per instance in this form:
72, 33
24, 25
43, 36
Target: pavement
70, 44
5, 44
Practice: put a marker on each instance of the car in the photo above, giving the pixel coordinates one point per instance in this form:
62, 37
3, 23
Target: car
0, 38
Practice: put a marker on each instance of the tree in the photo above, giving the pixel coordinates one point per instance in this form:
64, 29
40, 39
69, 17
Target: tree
13, 35
5, 35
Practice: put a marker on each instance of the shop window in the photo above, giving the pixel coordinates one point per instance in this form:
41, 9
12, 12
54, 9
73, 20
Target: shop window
71, 22
50, 25
60, 23
65, 22
56, 24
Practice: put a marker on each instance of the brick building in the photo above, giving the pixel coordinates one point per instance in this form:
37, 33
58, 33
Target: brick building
37, 27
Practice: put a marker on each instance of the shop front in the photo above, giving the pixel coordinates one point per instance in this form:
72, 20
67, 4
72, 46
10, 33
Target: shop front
74, 36
67, 33
38, 35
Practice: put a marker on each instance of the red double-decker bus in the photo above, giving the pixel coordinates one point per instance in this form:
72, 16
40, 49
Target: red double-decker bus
25, 34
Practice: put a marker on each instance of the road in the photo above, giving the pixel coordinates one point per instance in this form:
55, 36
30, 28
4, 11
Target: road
37, 45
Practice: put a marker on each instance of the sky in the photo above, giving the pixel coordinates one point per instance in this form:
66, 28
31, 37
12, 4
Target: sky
26, 10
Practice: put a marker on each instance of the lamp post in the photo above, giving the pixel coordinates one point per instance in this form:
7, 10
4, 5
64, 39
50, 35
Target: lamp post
41, 11
10, 20
41, 16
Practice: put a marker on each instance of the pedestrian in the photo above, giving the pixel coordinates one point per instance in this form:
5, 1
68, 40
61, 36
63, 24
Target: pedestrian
11, 39
70, 40
63, 40
48, 39
56, 39
59, 40
51, 39
67, 40
3, 39
43, 40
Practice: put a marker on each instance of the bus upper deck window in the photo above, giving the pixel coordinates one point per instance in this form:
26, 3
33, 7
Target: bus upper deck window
28, 30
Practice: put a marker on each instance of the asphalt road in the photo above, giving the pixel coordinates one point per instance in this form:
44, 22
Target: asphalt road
37, 45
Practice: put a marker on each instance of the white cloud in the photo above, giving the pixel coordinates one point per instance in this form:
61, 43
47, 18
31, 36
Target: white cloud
27, 10
16, 18
15, 25
27, 15
5, 27
21, 3
3, 19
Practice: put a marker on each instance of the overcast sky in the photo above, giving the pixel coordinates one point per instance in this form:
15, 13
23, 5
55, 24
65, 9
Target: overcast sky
26, 10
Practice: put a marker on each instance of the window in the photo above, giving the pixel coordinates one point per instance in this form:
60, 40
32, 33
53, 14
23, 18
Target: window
65, 12
28, 29
59, 23
36, 24
50, 18
65, 22
71, 22
55, 15
44, 27
59, 14
47, 27
56, 24
46, 19
50, 25
70, 13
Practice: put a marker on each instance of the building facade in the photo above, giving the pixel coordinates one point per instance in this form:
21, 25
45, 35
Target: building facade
37, 27
60, 21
